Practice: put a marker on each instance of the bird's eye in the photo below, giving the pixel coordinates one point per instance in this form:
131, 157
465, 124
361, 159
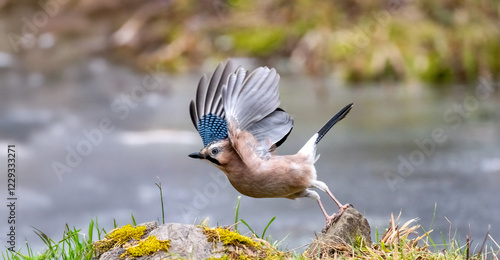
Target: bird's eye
215, 151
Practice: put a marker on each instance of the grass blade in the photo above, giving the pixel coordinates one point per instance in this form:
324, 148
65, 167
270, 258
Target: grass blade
91, 231
433, 216
484, 242
249, 228
236, 214
446, 247
277, 244
134, 223
430, 239
161, 200
268, 224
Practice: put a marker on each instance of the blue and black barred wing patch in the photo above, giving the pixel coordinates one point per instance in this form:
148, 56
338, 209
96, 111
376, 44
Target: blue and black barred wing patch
207, 111
212, 128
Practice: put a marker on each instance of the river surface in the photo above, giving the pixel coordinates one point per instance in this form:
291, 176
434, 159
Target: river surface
92, 141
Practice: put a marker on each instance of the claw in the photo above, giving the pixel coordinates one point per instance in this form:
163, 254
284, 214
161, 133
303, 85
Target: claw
335, 216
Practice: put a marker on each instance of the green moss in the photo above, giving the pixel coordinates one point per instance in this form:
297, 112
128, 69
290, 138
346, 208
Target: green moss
228, 237
147, 246
358, 242
125, 233
104, 245
248, 248
121, 237
118, 237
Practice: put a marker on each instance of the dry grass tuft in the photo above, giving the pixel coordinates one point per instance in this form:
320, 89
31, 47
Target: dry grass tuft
396, 244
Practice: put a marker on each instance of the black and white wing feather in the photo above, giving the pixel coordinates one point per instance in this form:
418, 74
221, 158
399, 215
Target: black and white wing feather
251, 102
207, 112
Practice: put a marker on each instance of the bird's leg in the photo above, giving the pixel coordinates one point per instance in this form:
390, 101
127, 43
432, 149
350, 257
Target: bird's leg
313, 195
322, 186
329, 219
335, 216
334, 199
341, 207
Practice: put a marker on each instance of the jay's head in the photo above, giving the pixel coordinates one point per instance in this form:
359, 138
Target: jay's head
216, 152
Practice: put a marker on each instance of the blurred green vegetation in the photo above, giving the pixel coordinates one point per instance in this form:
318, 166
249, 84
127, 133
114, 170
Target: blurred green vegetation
427, 41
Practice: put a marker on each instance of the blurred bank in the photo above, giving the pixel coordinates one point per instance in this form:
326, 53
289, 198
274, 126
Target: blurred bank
423, 41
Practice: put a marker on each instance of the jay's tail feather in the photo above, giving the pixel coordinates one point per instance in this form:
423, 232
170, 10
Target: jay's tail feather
335, 119
310, 147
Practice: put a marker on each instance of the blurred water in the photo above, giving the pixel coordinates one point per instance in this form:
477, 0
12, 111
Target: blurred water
382, 158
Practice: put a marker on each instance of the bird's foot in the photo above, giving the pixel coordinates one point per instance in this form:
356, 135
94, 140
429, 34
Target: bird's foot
335, 216
346, 206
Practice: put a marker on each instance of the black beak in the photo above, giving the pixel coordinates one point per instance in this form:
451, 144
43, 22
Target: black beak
197, 155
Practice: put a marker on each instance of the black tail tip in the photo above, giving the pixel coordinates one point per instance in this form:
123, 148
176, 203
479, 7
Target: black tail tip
335, 119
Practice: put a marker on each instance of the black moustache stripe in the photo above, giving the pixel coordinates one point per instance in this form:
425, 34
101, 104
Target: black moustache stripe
213, 160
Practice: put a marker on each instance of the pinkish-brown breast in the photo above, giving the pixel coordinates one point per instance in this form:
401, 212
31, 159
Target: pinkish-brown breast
280, 176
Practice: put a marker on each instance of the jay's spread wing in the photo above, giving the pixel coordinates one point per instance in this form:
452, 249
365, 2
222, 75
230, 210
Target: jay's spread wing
272, 129
207, 112
251, 102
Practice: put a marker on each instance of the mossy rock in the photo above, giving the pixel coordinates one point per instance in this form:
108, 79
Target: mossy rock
130, 242
180, 241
